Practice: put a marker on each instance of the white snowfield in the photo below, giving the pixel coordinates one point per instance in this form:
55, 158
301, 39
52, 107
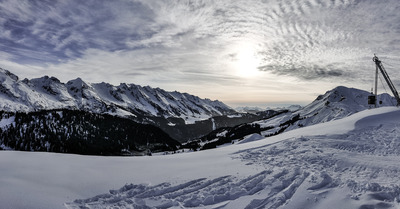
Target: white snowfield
353, 162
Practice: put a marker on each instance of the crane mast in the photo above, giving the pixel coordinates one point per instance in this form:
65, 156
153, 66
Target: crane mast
379, 66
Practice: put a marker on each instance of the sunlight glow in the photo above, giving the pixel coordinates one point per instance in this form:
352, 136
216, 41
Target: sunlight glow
246, 62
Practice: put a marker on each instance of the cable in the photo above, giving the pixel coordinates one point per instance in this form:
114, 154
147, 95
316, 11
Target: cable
387, 64
380, 78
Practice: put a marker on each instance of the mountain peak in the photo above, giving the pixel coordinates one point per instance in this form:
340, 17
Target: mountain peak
345, 90
340, 102
76, 80
46, 79
336, 103
77, 83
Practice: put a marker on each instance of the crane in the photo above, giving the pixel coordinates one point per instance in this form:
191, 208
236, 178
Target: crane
372, 98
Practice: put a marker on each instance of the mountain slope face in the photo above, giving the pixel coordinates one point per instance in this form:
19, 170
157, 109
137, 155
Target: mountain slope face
337, 103
181, 115
124, 100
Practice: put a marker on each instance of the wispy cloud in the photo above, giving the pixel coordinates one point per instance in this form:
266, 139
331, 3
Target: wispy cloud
317, 39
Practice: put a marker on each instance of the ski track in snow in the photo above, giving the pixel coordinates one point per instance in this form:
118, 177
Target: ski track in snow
204, 193
359, 169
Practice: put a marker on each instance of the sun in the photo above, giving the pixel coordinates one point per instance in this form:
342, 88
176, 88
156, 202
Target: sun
246, 62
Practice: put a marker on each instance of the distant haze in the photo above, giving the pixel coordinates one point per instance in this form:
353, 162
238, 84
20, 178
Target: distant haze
241, 52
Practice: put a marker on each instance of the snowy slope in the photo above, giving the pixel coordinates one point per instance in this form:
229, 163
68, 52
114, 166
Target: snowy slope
340, 102
337, 103
291, 108
247, 109
348, 163
255, 110
124, 100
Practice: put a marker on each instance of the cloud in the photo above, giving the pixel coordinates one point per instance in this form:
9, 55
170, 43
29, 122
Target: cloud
317, 39
307, 72
58, 27
173, 43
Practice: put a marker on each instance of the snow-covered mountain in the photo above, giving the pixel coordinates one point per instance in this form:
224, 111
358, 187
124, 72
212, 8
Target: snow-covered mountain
47, 93
254, 110
180, 115
247, 109
337, 103
291, 108
340, 102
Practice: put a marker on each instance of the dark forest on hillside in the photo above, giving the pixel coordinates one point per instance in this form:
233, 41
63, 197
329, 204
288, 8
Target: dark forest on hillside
80, 132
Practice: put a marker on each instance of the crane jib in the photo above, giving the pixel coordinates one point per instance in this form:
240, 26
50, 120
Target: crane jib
379, 66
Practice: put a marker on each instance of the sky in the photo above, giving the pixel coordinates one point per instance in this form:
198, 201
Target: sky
242, 52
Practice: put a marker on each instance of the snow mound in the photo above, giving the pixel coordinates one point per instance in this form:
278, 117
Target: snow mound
251, 138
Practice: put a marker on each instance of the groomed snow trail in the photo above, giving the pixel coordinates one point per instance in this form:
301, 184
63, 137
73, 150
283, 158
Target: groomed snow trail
355, 164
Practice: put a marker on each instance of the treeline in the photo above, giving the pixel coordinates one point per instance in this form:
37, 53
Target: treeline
80, 132
230, 134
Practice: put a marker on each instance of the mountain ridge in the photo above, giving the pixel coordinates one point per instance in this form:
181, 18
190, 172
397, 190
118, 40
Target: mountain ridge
125, 100
337, 103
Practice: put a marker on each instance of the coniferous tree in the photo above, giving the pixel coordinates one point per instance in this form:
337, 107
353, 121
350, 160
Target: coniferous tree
82, 132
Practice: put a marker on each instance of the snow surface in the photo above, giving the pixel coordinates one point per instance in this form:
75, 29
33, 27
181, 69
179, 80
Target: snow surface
353, 162
251, 138
4, 122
